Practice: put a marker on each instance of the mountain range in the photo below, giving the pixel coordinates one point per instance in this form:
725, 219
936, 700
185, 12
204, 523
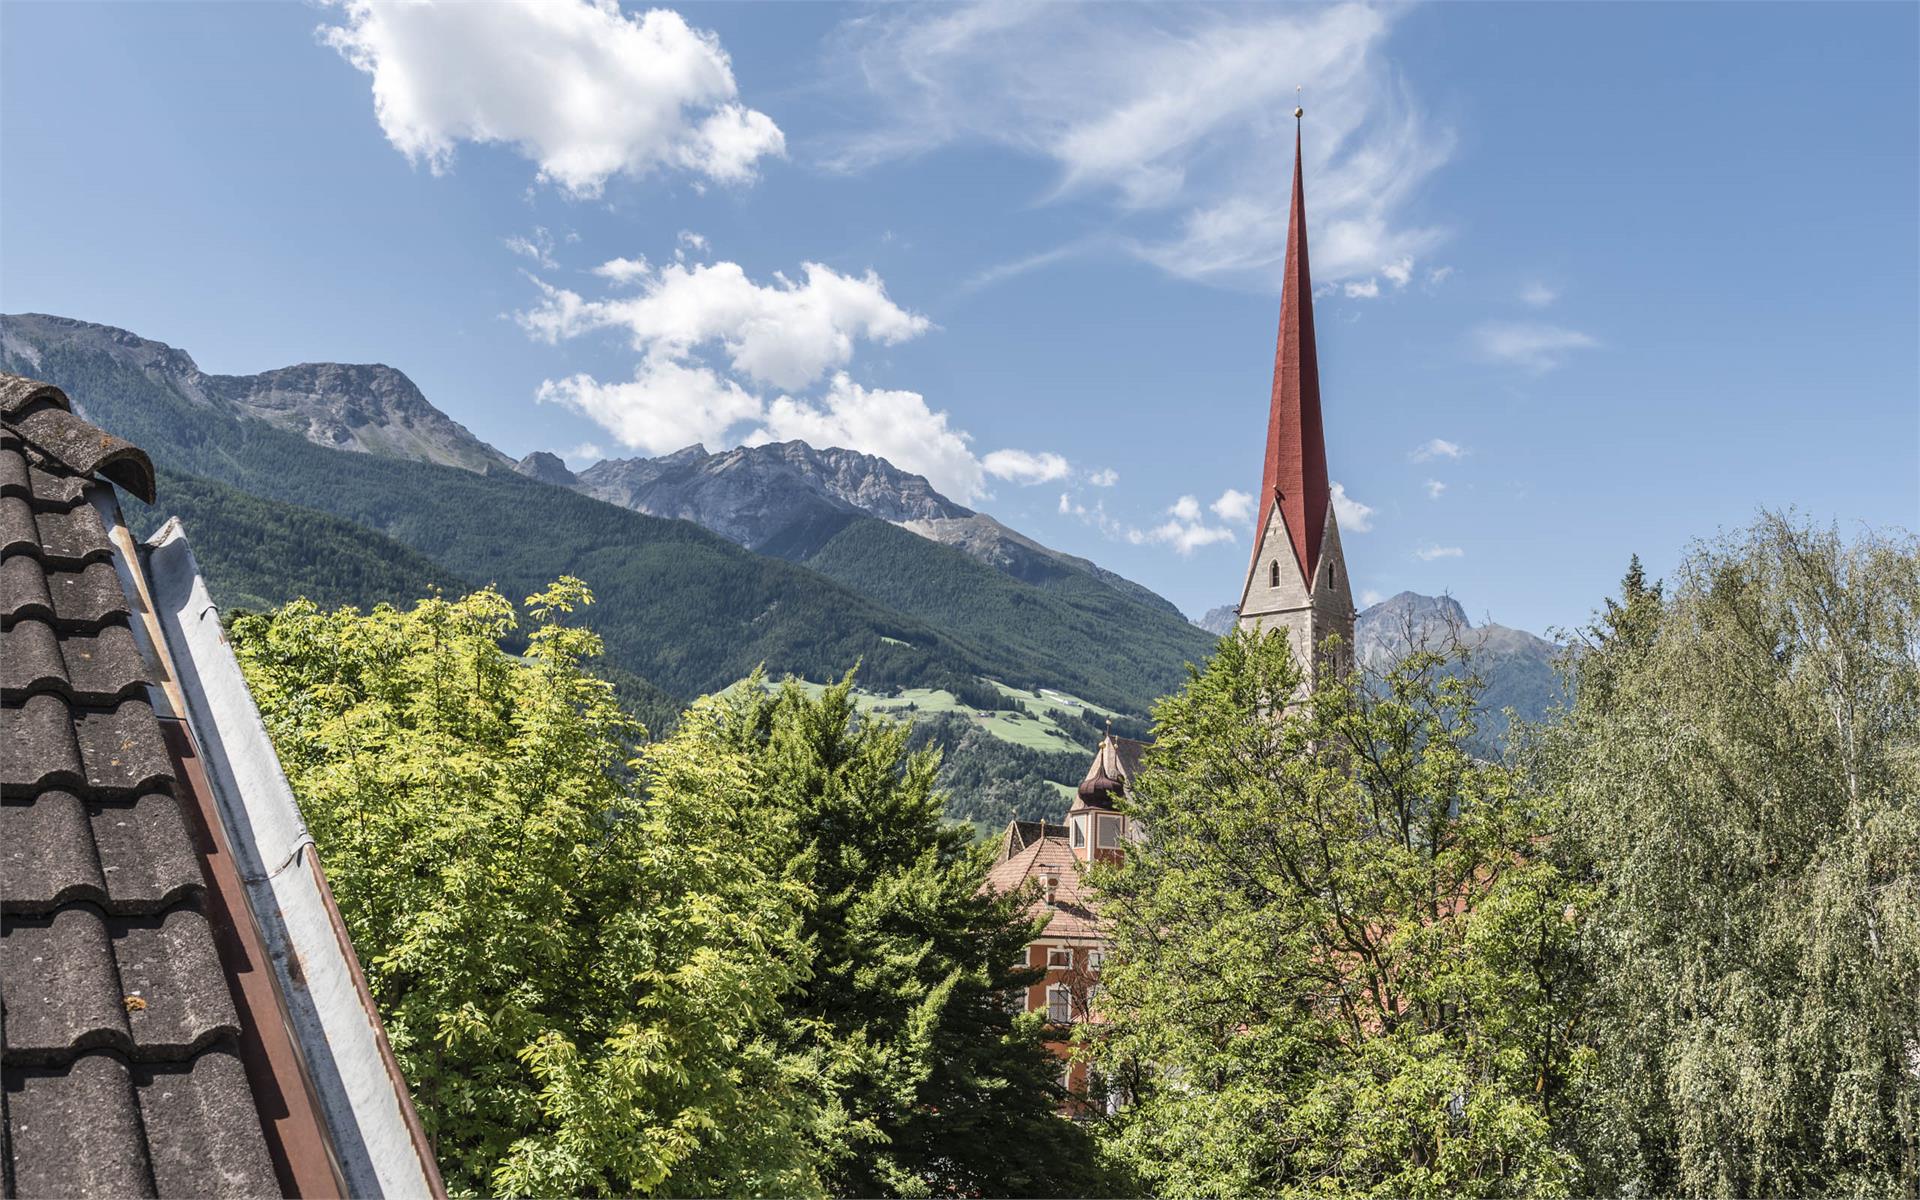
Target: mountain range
343, 483
1517, 669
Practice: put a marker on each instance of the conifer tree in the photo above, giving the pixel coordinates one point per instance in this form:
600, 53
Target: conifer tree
934, 1086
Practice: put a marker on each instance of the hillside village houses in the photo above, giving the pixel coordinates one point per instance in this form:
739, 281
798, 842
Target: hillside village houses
1296, 580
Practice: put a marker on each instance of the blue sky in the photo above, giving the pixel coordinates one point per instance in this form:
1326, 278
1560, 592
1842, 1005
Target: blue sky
1595, 279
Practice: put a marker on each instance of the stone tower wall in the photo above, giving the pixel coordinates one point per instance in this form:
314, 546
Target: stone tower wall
1309, 616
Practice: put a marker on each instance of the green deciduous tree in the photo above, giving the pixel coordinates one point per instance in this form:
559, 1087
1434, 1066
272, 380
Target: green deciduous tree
575, 962
1342, 967
1742, 763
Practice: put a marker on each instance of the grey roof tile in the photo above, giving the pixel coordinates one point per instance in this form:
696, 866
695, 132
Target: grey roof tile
129, 857
122, 748
170, 963
146, 854
47, 854
72, 538
98, 668
13, 467
75, 1130
38, 746
202, 1129
60, 987
82, 448
72, 600
18, 533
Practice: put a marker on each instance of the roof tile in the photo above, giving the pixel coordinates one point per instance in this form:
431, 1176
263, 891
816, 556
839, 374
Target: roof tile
73, 538
59, 985
83, 448
170, 963
75, 1130
47, 854
38, 747
145, 852
122, 748
98, 668
72, 600
202, 1130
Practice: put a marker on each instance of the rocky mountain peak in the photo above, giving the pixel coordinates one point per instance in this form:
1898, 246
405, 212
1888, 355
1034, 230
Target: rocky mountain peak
547, 468
368, 407
1421, 611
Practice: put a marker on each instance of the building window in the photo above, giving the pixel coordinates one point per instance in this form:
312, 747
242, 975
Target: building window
1079, 833
1108, 831
1273, 573
1096, 959
1059, 958
1059, 1004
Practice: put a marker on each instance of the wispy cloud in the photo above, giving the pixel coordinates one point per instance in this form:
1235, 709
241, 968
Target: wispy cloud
1436, 448
1362, 289
1534, 346
537, 246
1104, 477
1435, 489
1233, 506
1178, 119
1429, 553
1538, 295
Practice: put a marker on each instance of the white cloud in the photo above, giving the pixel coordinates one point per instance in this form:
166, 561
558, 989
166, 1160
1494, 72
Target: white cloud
1400, 272
1178, 118
1365, 289
1436, 448
1435, 489
1104, 477
1233, 506
1186, 508
896, 425
1438, 276
714, 346
1352, 515
696, 242
1429, 553
666, 405
1068, 507
1024, 467
537, 246
623, 270
785, 334
586, 452
1538, 295
1369, 598
1538, 348
578, 87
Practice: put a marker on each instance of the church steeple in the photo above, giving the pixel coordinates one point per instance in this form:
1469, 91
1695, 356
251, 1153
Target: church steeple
1296, 474
1297, 575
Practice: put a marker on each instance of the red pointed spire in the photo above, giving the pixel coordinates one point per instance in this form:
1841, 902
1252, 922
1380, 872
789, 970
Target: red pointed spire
1296, 474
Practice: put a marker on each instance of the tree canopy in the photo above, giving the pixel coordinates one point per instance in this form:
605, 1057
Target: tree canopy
1339, 965
1741, 765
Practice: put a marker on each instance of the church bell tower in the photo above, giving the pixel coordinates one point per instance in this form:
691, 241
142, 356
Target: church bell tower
1298, 577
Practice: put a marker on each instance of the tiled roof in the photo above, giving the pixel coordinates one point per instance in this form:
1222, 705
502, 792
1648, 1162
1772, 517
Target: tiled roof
1070, 907
122, 1071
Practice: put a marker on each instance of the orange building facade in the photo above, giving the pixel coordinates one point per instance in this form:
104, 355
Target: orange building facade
1053, 859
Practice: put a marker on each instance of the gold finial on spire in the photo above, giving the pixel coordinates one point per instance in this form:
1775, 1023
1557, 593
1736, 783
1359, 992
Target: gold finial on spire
1298, 112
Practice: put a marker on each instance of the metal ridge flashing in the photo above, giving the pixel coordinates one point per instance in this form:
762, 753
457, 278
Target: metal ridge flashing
381, 1146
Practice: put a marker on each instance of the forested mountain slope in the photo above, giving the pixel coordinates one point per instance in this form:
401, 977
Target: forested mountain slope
679, 606
790, 498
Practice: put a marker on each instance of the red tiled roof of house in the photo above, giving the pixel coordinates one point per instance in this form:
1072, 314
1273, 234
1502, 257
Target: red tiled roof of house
1071, 903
